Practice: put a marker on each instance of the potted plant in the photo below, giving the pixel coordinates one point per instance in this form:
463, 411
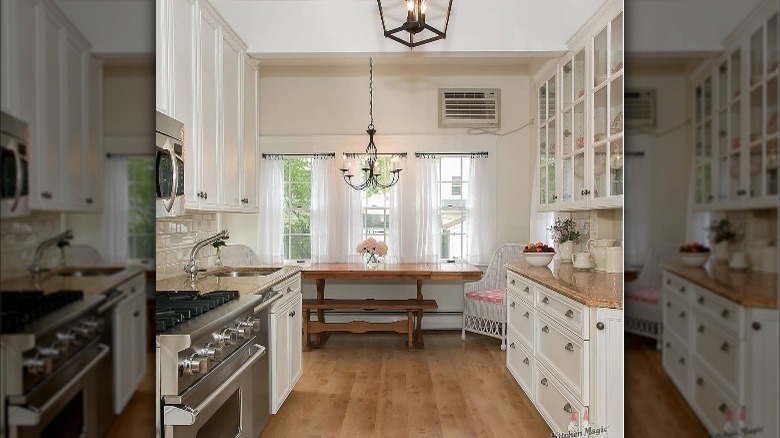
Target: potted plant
565, 234
721, 234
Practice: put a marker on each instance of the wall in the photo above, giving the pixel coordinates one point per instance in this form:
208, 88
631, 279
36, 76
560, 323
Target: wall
20, 238
177, 236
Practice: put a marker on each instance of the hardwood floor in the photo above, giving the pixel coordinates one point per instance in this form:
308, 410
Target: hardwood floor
137, 420
653, 405
370, 385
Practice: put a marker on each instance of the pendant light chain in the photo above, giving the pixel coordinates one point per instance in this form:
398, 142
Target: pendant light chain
371, 91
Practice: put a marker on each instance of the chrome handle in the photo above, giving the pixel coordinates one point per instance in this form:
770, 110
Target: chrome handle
168, 204
526, 361
546, 329
567, 407
512, 305
544, 381
569, 347
569, 314
527, 315
546, 300
19, 179
512, 345
725, 347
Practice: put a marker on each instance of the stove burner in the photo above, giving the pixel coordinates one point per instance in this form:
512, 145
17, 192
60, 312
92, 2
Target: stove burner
20, 308
174, 308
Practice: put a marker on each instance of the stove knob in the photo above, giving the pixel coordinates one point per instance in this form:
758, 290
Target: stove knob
213, 352
226, 337
51, 351
195, 364
39, 365
256, 323
94, 324
84, 331
66, 338
244, 330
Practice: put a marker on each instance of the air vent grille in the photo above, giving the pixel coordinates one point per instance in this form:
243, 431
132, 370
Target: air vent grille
469, 107
640, 109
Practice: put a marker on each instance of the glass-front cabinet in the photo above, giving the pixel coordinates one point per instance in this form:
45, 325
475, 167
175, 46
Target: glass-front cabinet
548, 143
735, 135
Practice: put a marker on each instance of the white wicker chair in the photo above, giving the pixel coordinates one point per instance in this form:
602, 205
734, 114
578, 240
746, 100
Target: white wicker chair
238, 255
484, 309
642, 297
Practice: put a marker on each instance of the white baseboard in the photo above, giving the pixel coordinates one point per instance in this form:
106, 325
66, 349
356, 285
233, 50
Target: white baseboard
431, 320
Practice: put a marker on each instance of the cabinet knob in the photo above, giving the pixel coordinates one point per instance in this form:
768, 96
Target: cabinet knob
567, 407
512, 345
569, 347
512, 305
88, 200
723, 408
725, 347
526, 290
292, 313
546, 300
546, 329
682, 314
526, 361
205, 195
137, 313
668, 281
569, 314
724, 313
512, 282
756, 326
668, 345
701, 329
544, 381
700, 381
668, 304
527, 315
700, 300
682, 289
46, 195
600, 325
555, 197
681, 361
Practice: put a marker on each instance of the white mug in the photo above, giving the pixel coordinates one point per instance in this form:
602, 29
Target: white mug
738, 260
581, 260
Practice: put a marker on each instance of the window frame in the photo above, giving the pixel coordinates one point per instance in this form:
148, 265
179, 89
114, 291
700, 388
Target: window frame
132, 197
460, 182
287, 197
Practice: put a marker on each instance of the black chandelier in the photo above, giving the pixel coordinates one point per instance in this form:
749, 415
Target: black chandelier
415, 23
370, 171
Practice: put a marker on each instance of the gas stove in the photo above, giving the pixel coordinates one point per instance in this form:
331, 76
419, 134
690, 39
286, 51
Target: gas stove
20, 308
174, 308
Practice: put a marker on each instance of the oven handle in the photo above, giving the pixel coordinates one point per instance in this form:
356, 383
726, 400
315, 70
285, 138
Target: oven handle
19, 176
183, 415
31, 415
174, 181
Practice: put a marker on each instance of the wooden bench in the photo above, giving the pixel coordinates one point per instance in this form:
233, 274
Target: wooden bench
410, 306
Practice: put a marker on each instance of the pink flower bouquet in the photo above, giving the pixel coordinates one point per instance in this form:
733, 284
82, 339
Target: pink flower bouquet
372, 248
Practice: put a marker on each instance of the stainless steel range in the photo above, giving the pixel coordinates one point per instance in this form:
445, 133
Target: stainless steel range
51, 356
212, 363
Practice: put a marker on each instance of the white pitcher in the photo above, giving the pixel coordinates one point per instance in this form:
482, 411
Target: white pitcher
598, 250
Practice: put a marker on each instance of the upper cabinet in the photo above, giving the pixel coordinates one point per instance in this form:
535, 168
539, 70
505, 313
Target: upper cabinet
735, 120
580, 129
203, 82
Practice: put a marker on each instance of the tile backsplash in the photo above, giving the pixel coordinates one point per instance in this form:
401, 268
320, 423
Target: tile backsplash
20, 238
175, 239
597, 224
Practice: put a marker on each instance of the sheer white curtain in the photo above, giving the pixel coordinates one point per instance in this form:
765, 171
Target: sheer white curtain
428, 226
481, 225
270, 221
539, 222
115, 211
324, 222
637, 168
396, 195
352, 217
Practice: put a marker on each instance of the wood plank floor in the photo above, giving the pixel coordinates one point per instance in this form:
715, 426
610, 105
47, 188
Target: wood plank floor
653, 405
137, 420
370, 385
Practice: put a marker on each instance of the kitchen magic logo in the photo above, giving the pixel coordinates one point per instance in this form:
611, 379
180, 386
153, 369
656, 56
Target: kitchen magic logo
584, 432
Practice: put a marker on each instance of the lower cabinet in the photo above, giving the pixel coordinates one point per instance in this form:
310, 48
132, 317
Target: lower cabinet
567, 357
286, 350
129, 328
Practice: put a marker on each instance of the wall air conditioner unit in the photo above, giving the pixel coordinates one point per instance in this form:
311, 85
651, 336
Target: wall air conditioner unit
640, 109
469, 107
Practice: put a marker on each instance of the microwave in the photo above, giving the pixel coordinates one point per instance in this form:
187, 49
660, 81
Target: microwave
15, 186
169, 164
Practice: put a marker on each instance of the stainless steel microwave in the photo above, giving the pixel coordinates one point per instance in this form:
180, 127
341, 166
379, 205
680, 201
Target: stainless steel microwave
169, 163
15, 185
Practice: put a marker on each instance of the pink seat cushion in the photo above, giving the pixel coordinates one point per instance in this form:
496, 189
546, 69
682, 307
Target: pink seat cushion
651, 296
495, 296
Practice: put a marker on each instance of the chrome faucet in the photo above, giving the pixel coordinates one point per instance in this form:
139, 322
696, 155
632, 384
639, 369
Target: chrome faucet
191, 267
35, 268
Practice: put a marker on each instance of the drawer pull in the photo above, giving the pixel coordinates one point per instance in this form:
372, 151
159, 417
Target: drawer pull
701, 329
668, 281
546, 329
292, 313
600, 325
725, 347
512, 282
569, 314
682, 289
544, 381
512, 305
289, 289
681, 361
512, 345
723, 408
725, 313
526, 361
527, 315
682, 314
668, 304
567, 407
700, 300
569, 347
526, 290
756, 326
668, 345
700, 381
546, 300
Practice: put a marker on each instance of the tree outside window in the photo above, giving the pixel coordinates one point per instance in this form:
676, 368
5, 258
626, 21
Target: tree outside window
141, 209
297, 208
453, 214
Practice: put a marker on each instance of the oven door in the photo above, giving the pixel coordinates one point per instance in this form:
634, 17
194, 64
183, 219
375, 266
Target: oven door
64, 406
14, 187
217, 406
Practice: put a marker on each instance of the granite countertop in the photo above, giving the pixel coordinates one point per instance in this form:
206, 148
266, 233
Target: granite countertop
591, 288
245, 285
748, 288
90, 285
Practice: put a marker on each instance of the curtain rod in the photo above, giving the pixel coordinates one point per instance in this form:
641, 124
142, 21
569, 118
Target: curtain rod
380, 154
130, 154
450, 154
299, 155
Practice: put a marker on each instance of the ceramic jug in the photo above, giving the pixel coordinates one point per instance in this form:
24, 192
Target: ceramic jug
614, 260
598, 250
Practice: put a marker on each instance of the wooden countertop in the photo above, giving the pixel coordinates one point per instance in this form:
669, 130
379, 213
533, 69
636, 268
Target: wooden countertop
591, 288
748, 288
400, 271
244, 285
90, 285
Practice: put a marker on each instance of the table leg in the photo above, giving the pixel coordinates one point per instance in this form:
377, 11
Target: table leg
419, 342
320, 340
306, 340
410, 330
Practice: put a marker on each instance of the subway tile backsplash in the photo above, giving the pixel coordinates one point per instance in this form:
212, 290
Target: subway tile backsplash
176, 237
20, 238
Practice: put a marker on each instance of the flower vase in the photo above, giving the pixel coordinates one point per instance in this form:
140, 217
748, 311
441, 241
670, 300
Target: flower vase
371, 261
721, 251
565, 251
218, 262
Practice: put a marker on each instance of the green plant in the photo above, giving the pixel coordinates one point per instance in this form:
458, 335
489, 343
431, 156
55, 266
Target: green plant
564, 231
721, 231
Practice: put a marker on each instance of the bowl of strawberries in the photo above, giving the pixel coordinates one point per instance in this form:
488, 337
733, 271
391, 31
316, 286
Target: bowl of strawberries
694, 254
538, 254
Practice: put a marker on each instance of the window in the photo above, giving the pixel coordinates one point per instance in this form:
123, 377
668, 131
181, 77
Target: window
141, 209
453, 214
297, 208
375, 205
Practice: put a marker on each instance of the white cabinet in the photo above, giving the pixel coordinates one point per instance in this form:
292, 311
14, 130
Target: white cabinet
251, 144
19, 60
75, 121
232, 86
207, 141
129, 338
286, 341
93, 151
573, 361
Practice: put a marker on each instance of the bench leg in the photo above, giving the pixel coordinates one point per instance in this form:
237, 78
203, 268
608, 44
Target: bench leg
410, 330
420, 343
306, 340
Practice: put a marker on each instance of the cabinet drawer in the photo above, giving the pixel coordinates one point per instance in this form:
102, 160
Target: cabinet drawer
677, 285
718, 350
520, 319
709, 400
520, 363
726, 312
557, 406
523, 287
676, 361
677, 315
289, 289
564, 354
571, 314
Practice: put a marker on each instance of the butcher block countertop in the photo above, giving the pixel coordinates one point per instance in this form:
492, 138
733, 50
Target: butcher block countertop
591, 288
244, 285
90, 285
747, 288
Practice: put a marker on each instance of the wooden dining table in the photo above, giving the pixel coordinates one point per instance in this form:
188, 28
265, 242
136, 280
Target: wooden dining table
417, 272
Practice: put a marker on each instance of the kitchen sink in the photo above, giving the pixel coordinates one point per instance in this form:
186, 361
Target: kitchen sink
88, 272
259, 272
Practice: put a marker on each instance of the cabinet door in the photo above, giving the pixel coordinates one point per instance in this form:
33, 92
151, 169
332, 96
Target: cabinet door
138, 338
762, 363
606, 370
232, 62
93, 177
296, 341
162, 54
123, 353
183, 82
209, 160
280, 357
74, 124
250, 140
